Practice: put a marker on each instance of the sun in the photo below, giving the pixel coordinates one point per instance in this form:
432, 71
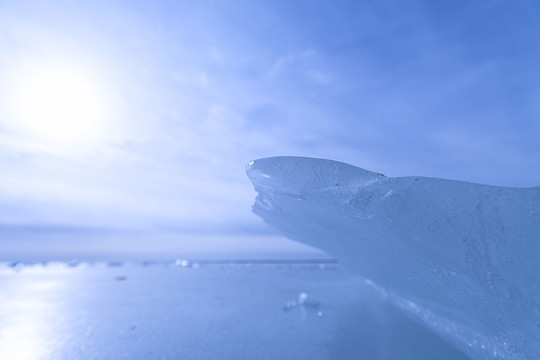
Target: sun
58, 105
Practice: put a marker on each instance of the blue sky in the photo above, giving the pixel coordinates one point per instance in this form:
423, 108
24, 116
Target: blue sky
183, 94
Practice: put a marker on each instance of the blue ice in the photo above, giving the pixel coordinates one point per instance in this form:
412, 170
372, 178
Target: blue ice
461, 258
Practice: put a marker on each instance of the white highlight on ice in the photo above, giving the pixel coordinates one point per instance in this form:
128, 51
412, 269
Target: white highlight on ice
25, 329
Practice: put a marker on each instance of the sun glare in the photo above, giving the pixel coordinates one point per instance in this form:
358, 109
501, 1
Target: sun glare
59, 105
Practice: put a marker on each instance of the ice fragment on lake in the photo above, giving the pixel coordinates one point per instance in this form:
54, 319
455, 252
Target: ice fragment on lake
17, 266
182, 262
462, 258
303, 300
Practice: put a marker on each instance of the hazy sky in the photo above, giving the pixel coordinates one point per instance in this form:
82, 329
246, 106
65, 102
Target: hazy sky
143, 114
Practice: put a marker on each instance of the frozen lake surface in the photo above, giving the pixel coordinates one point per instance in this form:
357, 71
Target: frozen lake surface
206, 310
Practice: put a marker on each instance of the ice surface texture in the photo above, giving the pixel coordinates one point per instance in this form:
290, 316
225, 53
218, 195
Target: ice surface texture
462, 258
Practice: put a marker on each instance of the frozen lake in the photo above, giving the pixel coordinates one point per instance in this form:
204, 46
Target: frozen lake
206, 310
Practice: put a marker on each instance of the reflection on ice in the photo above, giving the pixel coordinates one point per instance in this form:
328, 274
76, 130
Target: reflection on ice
223, 310
22, 342
27, 314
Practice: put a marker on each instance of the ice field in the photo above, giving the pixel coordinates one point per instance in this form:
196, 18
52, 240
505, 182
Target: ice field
182, 310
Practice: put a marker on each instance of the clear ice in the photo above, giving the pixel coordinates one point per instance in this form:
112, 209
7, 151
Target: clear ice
462, 258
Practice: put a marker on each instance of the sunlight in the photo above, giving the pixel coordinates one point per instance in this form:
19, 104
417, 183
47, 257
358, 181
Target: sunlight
59, 105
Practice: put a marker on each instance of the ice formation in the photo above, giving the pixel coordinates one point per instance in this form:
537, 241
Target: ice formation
462, 258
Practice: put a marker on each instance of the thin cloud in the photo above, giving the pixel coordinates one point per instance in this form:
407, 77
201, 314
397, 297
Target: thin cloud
398, 88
